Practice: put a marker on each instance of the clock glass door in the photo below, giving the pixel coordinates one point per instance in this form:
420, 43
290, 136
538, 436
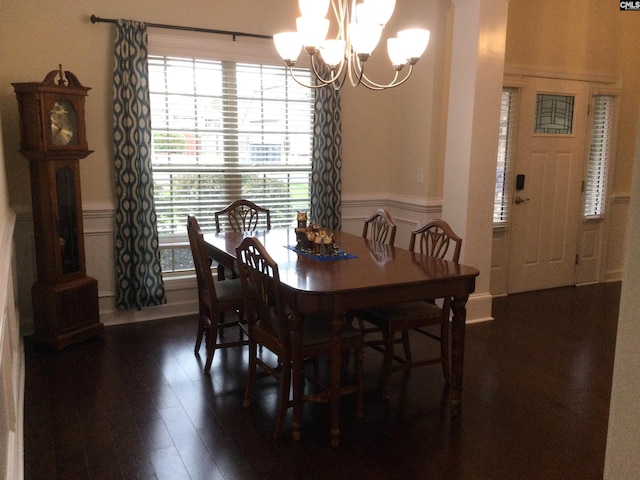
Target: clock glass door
67, 223
64, 120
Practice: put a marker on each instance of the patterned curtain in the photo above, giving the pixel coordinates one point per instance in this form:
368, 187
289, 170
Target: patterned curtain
326, 186
138, 275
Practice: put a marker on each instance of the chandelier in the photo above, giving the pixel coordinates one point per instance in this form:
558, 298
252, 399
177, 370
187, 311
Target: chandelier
359, 28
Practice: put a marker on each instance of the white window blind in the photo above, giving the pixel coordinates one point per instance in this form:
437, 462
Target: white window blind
599, 156
505, 141
224, 130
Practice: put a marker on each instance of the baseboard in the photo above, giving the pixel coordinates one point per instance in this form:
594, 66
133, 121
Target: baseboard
479, 308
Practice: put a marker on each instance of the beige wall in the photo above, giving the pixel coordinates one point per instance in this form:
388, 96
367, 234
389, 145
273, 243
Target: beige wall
4, 191
36, 36
583, 37
623, 438
387, 135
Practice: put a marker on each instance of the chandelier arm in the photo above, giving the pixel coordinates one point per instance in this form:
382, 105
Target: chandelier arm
356, 69
333, 76
370, 84
337, 83
301, 83
339, 14
341, 77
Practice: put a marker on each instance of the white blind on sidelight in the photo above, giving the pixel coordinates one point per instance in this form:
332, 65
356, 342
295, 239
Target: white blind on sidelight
225, 129
505, 142
599, 156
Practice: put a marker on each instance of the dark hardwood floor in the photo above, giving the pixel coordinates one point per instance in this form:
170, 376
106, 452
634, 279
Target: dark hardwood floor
135, 404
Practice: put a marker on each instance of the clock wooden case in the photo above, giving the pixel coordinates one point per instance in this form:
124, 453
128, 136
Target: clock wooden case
53, 139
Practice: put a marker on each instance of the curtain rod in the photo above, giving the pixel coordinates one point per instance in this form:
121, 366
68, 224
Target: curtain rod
95, 19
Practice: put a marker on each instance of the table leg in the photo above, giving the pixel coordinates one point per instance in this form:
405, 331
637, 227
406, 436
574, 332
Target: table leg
458, 324
220, 270
336, 368
297, 376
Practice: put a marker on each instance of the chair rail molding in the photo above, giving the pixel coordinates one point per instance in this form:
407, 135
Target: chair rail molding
99, 226
407, 212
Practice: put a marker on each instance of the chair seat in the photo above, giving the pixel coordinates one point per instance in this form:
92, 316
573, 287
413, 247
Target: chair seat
316, 331
316, 334
229, 290
394, 323
401, 315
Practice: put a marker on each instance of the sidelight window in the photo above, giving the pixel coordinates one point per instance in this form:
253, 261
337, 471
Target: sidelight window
599, 156
505, 141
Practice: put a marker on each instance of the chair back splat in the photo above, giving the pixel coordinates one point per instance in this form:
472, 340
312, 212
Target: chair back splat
434, 239
243, 216
380, 227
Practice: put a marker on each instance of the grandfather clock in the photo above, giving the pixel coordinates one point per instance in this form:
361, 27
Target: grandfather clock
53, 139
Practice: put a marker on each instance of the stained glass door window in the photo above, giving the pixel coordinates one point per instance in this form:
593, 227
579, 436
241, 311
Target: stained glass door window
554, 114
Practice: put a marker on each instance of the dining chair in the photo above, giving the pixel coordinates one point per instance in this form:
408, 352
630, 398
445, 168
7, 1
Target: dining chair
269, 325
243, 216
380, 227
395, 321
215, 298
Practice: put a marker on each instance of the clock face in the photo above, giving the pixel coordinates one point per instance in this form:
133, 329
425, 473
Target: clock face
64, 121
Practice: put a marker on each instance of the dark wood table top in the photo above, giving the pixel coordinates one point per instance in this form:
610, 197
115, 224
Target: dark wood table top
376, 267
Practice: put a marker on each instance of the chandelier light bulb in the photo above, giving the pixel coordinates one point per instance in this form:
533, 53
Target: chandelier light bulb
397, 53
332, 52
364, 14
289, 46
314, 8
364, 37
312, 31
415, 41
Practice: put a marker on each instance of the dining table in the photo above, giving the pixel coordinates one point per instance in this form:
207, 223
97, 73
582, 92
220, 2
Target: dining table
360, 273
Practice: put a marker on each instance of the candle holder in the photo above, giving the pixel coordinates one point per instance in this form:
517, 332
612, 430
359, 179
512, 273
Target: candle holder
313, 239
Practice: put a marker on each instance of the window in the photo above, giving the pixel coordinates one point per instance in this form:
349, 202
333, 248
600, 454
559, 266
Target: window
554, 114
227, 123
505, 140
599, 156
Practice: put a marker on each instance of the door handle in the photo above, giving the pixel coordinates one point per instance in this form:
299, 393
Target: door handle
520, 200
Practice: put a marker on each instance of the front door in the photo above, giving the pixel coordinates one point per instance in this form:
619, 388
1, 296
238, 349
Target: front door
550, 148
